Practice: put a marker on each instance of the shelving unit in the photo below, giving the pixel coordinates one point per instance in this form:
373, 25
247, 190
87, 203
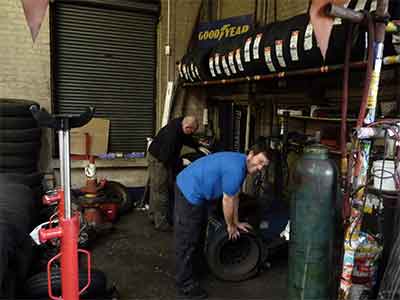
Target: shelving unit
307, 119
318, 118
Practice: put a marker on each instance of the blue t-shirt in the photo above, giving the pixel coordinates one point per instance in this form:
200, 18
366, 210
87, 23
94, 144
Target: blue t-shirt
211, 176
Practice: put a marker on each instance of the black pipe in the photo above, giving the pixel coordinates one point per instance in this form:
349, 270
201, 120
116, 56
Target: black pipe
344, 13
345, 99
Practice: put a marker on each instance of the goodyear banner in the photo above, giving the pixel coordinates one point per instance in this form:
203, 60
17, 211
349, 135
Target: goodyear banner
211, 33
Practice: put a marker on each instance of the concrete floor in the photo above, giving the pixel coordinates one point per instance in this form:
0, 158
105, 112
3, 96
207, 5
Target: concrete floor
140, 261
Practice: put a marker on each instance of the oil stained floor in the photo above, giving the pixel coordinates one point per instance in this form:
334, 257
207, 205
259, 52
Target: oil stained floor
140, 261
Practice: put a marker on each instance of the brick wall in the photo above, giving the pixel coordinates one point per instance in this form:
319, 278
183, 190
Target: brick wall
289, 8
285, 9
229, 8
25, 67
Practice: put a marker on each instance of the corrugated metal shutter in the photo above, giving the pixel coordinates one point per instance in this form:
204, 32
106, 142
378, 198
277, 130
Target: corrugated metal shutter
105, 56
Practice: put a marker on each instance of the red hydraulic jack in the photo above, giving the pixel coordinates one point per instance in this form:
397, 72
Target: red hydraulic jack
67, 229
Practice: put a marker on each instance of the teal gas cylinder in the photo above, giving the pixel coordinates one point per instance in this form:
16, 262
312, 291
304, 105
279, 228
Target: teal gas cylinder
312, 218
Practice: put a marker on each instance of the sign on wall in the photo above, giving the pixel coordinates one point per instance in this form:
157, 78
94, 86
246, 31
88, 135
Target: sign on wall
211, 33
35, 11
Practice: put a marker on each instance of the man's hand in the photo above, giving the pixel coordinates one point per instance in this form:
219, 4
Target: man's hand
233, 232
204, 150
243, 226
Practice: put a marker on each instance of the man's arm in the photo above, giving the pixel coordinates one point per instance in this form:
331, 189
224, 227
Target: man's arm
191, 142
236, 209
229, 207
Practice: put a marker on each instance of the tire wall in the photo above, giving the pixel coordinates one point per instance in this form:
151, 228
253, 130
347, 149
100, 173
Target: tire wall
281, 46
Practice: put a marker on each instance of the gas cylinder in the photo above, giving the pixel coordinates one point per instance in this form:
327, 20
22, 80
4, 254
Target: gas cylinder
312, 219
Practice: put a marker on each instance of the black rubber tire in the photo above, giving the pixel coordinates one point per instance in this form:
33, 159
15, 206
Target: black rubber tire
17, 123
21, 170
13, 161
31, 180
16, 209
23, 259
27, 149
117, 192
4, 258
15, 107
219, 246
36, 286
22, 135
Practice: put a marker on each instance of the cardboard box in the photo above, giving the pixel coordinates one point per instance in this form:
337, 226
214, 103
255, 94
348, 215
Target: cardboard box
98, 131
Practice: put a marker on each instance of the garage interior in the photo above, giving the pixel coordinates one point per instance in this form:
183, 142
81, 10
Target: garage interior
317, 82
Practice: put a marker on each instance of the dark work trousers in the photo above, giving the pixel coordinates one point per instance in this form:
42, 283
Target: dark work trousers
161, 178
190, 222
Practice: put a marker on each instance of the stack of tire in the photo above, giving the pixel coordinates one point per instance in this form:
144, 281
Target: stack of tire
281, 46
19, 144
20, 183
16, 219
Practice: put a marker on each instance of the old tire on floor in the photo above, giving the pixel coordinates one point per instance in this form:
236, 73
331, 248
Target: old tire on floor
36, 286
20, 135
15, 107
117, 192
31, 180
17, 123
27, 149
232, 260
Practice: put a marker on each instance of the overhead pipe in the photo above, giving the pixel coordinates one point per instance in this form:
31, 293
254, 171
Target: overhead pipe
344, 13
311, 71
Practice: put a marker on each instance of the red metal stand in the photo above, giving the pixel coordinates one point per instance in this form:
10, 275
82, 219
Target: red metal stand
67, 229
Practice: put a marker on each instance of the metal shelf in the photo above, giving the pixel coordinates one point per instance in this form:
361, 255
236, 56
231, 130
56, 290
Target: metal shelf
318, 119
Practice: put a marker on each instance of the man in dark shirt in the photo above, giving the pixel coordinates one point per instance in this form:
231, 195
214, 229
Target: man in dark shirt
163, 158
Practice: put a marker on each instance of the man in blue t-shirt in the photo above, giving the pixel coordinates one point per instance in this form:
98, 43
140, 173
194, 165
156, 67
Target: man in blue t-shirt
209, 178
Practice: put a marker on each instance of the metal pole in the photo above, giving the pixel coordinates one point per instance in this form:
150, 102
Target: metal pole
311, 71
67, 176
61, 153
247, 140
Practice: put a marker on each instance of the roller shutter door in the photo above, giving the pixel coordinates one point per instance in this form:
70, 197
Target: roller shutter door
104, 54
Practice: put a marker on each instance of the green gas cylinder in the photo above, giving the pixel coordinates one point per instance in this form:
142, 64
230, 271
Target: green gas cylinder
311, 230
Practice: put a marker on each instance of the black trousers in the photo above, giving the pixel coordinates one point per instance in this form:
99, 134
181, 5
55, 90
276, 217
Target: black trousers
190, 222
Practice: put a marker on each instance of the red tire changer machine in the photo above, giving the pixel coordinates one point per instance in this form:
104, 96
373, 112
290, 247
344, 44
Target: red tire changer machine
67, 229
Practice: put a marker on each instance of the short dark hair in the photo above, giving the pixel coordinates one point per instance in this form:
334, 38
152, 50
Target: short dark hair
261, 147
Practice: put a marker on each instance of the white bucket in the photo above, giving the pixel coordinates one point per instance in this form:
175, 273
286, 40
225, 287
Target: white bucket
386, 177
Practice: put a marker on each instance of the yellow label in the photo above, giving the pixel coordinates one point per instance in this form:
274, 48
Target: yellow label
373, 90
391, 60
391, 27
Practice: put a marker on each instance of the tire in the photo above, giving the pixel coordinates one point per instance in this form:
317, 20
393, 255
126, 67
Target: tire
19, 170
4, 258
22, 135
16, 210
31, 180
11, 161
117, 192
23, 259
232, 260
17, 123
15, 107
27, 149
36, 286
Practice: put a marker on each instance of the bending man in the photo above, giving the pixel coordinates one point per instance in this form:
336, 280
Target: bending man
211, 177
